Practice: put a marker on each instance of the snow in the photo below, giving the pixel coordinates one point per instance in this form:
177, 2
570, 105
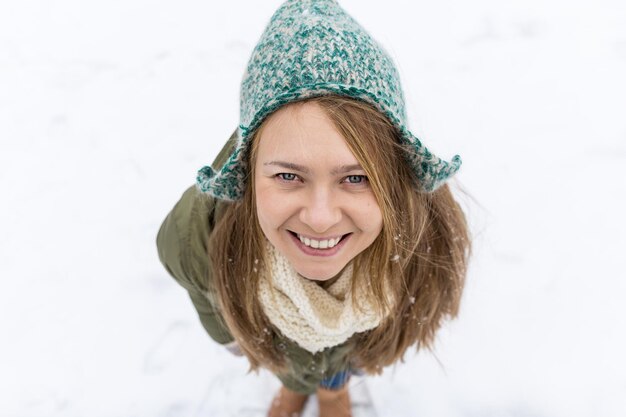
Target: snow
107, 109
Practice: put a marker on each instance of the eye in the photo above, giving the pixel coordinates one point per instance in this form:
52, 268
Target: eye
356, 179
285, 176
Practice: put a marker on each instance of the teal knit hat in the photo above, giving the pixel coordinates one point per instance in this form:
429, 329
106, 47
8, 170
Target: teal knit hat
312, 48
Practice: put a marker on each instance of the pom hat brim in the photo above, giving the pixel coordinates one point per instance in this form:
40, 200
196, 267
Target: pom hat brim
229, 181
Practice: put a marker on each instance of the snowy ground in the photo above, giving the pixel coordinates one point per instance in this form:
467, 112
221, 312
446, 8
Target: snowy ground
107, 109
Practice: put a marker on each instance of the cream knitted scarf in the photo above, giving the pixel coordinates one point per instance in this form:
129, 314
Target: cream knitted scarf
313, 317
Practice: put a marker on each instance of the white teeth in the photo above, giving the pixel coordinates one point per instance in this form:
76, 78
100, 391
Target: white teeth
319, 244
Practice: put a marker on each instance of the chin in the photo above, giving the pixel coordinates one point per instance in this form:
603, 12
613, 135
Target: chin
317, 275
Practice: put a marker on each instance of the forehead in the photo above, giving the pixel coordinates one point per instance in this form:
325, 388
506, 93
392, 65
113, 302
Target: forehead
302, 133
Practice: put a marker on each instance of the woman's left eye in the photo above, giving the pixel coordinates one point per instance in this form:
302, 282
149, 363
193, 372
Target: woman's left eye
356, 179
287, 176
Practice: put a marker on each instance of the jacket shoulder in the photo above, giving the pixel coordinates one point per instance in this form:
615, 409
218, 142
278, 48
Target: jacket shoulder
183, 236
182, 239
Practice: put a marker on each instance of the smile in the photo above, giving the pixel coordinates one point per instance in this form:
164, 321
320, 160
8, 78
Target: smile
319, 243
319, 247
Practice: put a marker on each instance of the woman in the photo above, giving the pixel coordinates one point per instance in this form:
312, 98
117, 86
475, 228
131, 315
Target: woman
324, 240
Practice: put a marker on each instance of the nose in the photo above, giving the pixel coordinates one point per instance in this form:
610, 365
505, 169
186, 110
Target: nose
321, 210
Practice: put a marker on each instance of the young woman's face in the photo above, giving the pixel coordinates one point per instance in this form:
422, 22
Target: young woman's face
314, 202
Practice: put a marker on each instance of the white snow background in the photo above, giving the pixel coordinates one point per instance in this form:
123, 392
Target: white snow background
107, 109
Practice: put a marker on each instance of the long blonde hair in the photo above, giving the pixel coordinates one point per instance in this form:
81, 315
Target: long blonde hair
420, 255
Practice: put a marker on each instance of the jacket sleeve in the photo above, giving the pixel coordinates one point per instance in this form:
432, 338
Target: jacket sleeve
181, 244
182, 247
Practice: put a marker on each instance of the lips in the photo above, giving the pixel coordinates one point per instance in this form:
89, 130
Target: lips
320, 246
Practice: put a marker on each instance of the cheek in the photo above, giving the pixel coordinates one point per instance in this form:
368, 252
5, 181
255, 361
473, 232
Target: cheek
369, 216
269, 213
264, 208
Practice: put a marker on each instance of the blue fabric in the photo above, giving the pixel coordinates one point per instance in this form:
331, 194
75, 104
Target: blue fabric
336, 381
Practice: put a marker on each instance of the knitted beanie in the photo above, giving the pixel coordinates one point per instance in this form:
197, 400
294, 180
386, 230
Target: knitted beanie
312, 48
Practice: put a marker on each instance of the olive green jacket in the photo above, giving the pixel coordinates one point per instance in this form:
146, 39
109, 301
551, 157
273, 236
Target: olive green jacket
182, 247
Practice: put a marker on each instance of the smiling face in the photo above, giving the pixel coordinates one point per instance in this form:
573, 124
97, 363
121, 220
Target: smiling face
314, 202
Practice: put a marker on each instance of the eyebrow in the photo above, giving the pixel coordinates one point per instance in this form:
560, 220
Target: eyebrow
337, 170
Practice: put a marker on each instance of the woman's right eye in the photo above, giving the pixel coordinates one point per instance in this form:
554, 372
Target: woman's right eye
287, 176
